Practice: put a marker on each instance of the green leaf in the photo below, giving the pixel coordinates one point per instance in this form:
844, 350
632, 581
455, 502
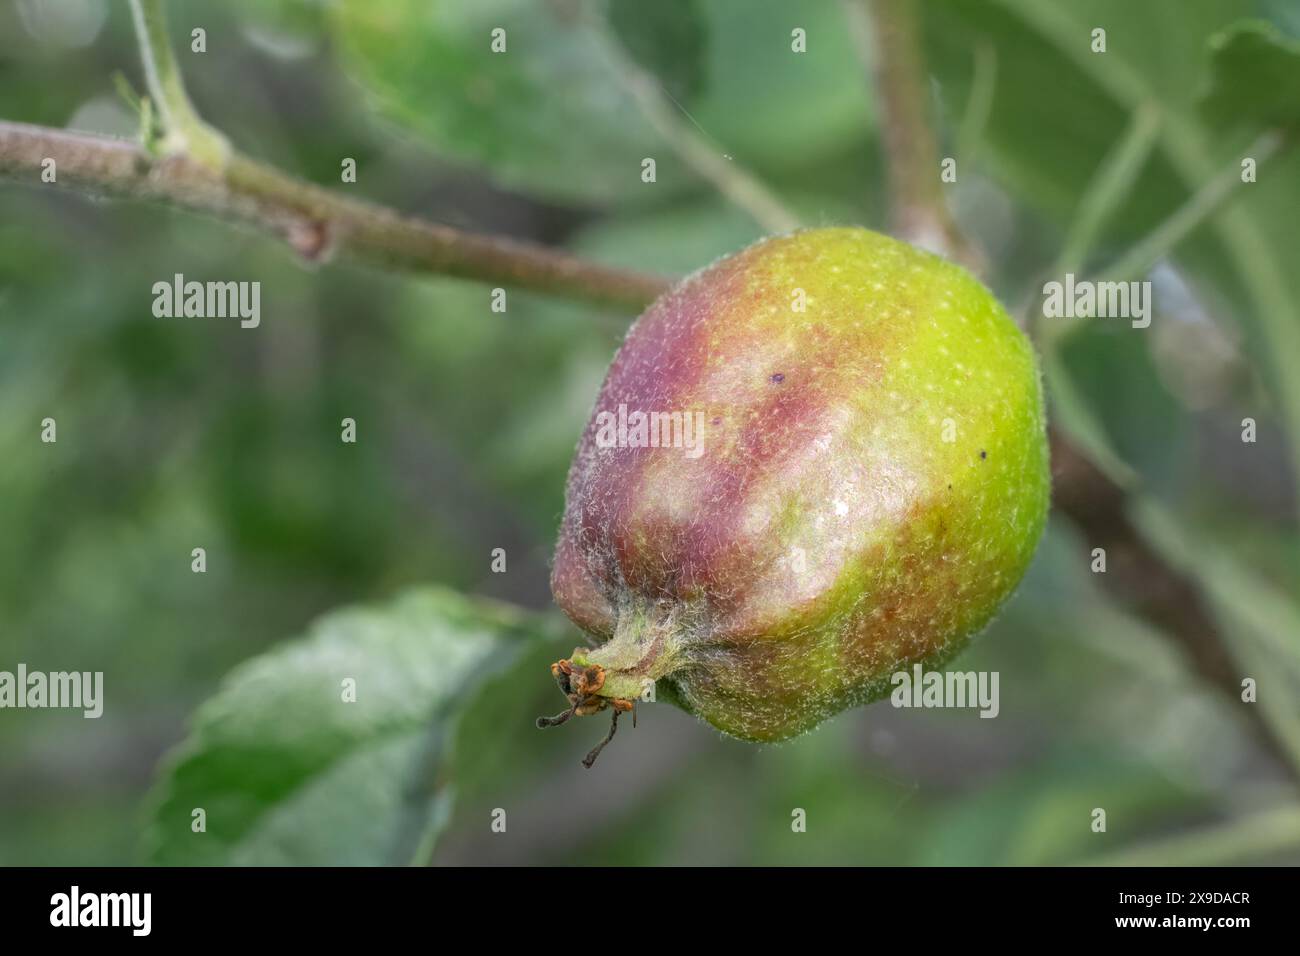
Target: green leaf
555, 115
288, 29
667, 38
1046, 149
289, 773
1254, 76
548, 115
775, 110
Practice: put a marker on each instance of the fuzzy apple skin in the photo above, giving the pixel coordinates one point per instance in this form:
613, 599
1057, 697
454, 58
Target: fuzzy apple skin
872, 483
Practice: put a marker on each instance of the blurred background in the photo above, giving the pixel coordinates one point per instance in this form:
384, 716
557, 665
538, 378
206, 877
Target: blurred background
174, 434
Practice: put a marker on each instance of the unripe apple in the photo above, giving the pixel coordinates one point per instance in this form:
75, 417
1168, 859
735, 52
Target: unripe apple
840, 470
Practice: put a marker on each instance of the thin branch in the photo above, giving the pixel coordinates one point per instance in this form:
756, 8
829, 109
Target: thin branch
1204, 203
979, 105
735, 182
1139, 575
1109, 188
316, 222
1163, 238
186, 131
1163, 595
886, 33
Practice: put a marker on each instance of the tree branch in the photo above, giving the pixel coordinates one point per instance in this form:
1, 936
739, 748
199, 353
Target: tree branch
1137, 574
886, 35
735, 182
317, 223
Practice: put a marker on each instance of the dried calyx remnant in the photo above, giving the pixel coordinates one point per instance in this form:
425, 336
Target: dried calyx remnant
582, 686
869, 486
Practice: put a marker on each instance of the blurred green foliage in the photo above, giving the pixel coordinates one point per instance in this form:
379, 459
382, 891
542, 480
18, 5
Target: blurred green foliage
176, 434
285, 773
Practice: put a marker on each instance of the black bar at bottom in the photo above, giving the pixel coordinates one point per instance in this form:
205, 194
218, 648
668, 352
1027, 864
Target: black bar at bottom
575, 907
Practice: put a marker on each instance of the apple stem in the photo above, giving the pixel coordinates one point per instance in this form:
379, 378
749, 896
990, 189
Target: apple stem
646, 646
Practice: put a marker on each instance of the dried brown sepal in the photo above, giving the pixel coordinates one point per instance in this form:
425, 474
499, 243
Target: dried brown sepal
581, 685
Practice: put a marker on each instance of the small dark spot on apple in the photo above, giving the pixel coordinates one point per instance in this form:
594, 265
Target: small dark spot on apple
778, 377
983, 453
716, 421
